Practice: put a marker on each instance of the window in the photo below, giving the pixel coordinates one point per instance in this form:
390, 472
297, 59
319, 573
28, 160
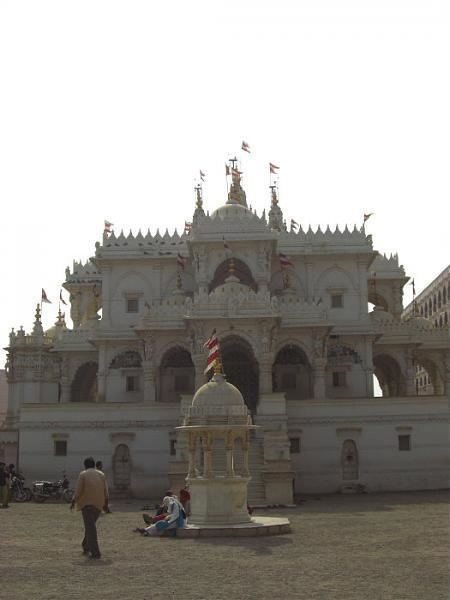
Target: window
337, 301
60, 447
132, 305
339, 379
132, 383
404, 442
295, 445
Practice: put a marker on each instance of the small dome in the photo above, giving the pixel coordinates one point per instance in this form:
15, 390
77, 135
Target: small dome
381, 315
232, 210
218, 392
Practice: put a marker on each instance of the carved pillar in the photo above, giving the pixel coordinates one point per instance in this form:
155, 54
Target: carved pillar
65, 381
207, 455
149, 381
410, 374
363, 290
245, 449
192, 454
319, 378
101, 375
368, 362
229, 446
397, 298
265, 373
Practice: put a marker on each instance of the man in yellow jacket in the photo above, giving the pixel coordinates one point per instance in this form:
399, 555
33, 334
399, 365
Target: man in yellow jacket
91, 497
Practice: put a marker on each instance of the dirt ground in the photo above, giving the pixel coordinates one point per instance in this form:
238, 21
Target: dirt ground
365, 547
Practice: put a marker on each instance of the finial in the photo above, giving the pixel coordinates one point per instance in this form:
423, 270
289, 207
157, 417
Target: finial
218, 366
199, 194
231, 265
274, 194
179, 284
286, 281
37, 327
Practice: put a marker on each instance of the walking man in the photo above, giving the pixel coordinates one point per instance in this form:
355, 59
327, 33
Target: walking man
91, 497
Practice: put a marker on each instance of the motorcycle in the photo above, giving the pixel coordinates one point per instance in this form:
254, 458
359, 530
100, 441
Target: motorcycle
19, 492
59, 490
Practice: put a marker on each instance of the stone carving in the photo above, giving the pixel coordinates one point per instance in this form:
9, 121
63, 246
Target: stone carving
338, 352
126, 360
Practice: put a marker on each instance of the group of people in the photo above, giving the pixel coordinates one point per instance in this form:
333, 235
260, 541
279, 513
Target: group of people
91, 497
7, 474
170, 515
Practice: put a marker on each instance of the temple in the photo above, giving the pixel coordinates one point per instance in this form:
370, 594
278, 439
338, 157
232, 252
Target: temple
307, 320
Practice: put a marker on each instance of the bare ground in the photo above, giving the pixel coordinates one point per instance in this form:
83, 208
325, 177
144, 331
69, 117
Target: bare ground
365, 547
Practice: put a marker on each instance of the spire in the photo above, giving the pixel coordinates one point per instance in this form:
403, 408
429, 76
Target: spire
199, 201
275, 213
236, 195
37, 327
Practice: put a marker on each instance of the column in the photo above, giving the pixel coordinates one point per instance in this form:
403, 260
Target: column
229, 446
245, 448
192, 454
265, 374
207, 455
101, 375
65, 381
410, 374
319, 378
149, 381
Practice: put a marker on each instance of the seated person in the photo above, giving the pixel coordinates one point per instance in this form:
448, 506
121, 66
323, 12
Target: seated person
176, 517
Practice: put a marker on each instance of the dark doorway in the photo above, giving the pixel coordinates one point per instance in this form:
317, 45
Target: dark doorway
241, 369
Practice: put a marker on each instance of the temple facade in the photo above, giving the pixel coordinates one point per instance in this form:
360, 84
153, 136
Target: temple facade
298, 337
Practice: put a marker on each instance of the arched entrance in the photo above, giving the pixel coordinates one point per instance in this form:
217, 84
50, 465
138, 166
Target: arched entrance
176, 375
389, 375
241, 368
121, 468
292, 373
84, 384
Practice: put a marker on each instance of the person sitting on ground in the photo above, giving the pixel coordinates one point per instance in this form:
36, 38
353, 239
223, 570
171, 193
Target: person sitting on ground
176, 518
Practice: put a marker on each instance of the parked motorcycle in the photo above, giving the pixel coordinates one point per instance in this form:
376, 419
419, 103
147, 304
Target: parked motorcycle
59, 490
18, 491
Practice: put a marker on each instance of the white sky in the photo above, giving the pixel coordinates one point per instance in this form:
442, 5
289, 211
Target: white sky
108, 110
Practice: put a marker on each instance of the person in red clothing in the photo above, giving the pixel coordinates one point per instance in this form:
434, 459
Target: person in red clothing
185, 499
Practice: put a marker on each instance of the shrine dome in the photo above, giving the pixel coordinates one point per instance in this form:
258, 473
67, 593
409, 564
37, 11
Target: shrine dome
231, 210
218, 392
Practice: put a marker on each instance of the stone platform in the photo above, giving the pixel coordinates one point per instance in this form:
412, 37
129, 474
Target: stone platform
258, 526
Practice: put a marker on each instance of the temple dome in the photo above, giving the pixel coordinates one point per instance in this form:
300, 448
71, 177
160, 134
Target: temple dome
232, 210
218, 392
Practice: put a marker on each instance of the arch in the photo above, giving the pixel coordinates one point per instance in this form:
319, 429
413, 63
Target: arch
445, 318
444, 295
241, 271
121, 464
147, 288
241, 368
389, 374
292, 373
84, 384
426, 311
378, 299
334, 276
349, 461
434, 376
176, 374
439, 299
421, 311
276, 284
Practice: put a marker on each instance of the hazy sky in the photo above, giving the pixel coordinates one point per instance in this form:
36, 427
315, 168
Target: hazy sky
108, 110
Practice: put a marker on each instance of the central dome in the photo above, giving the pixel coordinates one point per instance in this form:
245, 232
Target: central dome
218, 392
231, 210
